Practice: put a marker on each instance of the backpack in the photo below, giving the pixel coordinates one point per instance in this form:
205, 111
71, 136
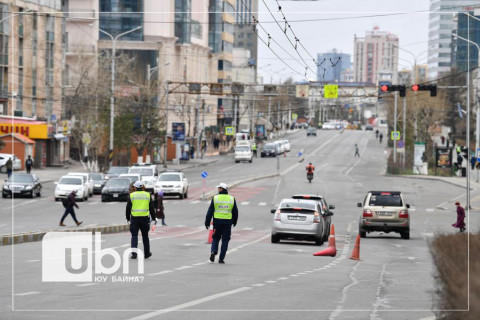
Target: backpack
65, 202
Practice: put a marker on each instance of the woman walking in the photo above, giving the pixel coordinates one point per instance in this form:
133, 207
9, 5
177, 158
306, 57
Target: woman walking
460, 217
160, 214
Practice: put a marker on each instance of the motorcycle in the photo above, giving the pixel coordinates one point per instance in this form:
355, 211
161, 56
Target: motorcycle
310, 176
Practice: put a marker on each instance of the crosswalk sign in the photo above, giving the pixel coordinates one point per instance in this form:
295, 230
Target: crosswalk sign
229, 131
395, 135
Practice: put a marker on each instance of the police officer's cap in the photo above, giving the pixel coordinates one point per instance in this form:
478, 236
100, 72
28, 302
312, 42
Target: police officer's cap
223, 186
138, 184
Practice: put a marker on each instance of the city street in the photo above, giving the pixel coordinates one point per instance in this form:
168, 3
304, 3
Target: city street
394, 278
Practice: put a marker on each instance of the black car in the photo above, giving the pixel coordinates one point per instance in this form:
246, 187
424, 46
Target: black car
116, 189
114, 172
368, 128
269, 150
311, 132
98, 182
22, 184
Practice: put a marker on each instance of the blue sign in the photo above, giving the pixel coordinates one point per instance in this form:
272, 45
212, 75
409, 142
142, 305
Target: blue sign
300, 154
460, 114
401, 144
204, 174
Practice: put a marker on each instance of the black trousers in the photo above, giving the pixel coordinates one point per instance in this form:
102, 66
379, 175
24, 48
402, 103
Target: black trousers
142, 224
69, 210
223, 232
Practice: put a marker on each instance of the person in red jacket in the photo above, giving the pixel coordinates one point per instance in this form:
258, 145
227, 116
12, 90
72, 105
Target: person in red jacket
460, 217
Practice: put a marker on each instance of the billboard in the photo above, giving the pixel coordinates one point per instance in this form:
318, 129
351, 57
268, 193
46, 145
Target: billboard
178, 131
444, 157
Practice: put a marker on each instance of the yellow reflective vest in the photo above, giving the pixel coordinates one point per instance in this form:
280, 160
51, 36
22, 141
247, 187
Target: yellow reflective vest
140, 203
223, 206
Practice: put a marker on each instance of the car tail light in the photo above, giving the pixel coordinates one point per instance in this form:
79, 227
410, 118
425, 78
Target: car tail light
277, 216
367, 213
316, 217
403, 214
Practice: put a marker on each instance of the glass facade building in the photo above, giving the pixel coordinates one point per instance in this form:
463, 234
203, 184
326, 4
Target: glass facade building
119, 16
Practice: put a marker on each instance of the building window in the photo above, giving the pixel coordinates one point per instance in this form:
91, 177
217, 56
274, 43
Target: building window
196, 29
183, 17
118, 16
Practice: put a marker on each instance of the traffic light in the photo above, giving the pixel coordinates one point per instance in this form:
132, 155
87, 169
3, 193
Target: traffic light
391, 88
426, 87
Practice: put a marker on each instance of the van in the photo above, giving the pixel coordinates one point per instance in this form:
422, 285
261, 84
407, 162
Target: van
243, 153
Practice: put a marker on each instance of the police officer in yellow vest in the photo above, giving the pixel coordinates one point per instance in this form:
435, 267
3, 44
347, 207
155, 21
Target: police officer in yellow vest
138, 213
224, 211
254, 149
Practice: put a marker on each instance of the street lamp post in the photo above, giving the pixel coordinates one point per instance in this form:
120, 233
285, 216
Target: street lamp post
112, 96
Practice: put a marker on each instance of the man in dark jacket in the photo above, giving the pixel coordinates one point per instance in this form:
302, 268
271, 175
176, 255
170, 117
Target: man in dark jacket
224, 211
70, 203
139, 213
29, 164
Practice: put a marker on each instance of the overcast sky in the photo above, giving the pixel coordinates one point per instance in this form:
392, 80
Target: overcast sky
332, 24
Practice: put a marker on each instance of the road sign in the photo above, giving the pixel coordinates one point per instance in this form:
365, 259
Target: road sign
330, 91
204, 174
294, 116
478, 155
395, 135
229, 131
401, 144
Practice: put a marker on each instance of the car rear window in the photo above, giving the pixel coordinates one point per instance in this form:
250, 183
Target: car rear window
386, 200
289, 205
73, 181
242, 148
169, 177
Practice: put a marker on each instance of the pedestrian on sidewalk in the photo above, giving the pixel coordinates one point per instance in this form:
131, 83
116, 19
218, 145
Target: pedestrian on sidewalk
192, 152
380, 137
473, 161
69, 204
9, 166
159, 209
460, 217
29, 164
224, 211
357, 151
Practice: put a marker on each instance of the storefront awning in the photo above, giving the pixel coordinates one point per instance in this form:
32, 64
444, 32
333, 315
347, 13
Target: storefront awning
29, 128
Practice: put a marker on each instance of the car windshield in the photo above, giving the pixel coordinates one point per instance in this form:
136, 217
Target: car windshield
118, 183
269, 146
242, 148
386, 200
96, 176
132, 178
72, 181
297, 204
142, 171
169, 177
20, 178
118, 170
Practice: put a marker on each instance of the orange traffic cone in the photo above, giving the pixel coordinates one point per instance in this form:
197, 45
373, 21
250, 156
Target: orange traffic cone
331, 250
210, 233
356, 249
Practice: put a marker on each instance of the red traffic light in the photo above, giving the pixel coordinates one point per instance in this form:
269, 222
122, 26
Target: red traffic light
384, 88
415, 87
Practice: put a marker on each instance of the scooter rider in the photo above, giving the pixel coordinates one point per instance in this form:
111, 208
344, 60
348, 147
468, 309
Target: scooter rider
310, 168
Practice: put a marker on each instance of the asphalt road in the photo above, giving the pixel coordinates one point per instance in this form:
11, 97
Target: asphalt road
393, 280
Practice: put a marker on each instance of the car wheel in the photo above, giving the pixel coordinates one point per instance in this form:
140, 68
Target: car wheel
319, 241
363, 233
57, 199
186, 194
275, 239
31, 195
405, 234
236, 161
91, 194
181, 196
250, 160
4, 195
39, 194
104, 200
3, 169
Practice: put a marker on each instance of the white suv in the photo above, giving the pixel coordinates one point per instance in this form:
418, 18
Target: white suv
149, 174
243, 153
87, 180
172, 183
67, 184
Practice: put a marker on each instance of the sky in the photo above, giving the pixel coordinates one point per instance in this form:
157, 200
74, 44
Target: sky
323, 25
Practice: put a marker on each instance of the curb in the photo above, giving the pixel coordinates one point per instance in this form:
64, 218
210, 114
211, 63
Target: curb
38, 235
463, 185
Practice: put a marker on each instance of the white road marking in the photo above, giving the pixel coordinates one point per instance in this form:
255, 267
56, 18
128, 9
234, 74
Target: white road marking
183, 267
282, 278
228, 168
270, 281
398, 245
430, 210
262, 204
293, 275
411, 258
247, 229
258, 285
427, 234
412, 209
159, 273
245, 203
27, 293
87, 284
191, 303
195, 202
33, 260
199, 264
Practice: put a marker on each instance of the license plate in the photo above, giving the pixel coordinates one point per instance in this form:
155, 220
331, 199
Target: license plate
385, 213
14, 191
115, 195
298, 218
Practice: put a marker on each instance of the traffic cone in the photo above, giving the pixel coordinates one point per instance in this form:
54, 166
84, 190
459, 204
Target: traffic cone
331, 250
210, 233
356, 249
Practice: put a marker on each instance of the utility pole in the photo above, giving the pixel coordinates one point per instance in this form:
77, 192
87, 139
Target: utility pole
404, 138
166, 128
395, 127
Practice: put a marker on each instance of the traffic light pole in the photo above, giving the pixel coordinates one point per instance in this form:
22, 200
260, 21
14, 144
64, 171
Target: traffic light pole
395, 128
404, 138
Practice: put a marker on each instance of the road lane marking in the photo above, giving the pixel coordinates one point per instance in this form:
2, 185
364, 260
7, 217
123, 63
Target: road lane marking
195, 202
258, 285
183, 267
228, 168
282, 278
271, 281
36, 260
191, 303
262, 204
411, 258
27, 293
430, 210
159, 273
87, 284
247, 229
245, 203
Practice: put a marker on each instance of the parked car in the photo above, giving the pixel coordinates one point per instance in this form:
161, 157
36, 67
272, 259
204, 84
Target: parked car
302, 125
133, 177
116, 189
368, 127
311, 132
281, 145
298, 219
384, 211
149, 174
87, 180
67, 184
22, 184
269, 150
287, 144
115, 171
98, 182
172, 182
328, 126
325, 213
16, 163
243, 153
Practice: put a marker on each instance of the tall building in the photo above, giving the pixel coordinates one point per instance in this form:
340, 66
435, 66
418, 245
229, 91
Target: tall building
336, 65
467, 28
244, 30
375, 57
31, 75
441, 24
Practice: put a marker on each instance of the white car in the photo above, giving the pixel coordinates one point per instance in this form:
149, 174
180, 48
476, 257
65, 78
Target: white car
16, 163
87, 180
328, 126
172, 183
287, 145
149, 175
243, 153
281, 145
67, 184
